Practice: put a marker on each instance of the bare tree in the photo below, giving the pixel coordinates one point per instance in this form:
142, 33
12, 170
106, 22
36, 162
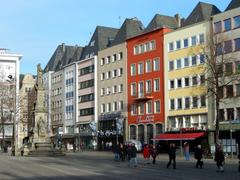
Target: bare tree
219, 72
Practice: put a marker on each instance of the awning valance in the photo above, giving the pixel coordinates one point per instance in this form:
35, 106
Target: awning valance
178, 136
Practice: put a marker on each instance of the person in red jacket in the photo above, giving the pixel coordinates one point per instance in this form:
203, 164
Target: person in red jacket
146, 154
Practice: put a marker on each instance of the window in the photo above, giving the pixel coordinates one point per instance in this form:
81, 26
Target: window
194, 60
153, 45
203, 100
133, 89
228, 69
86, 98
86, 84
228, 46
114, 58
218, 27
171, 84
171, 65
108, 107
114, 89
148, 66
108, 91
202, 79
120, 88
201, 38
172, 104
230, 114
237, 89
108, 74
170, 46
147, 46
86, 112
142, 50
102, 61
237, 67
140, 68
229, 91
220, 92
133, 109
202, 59
194, 80
141, 108
219, 49
238, 113
187, 103
108, 60
186, 81
178, 44
136, 50
179, 63
187, 121
179, 103
120, 56
114, 73
186, 62
114, 106
221, 115
185, 43
133, 69
149, 107
102, 91
140, 89
236, 21
120, 71
227, 24
156, 64
120, 105
157, 106
102, 76
148, 86
237, 44
194, 40
195, 102
179, 83
156, 85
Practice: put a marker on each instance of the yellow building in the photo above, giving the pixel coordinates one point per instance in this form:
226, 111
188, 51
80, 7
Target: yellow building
186, 104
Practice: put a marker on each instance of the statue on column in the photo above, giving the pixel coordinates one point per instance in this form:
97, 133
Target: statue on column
39, 76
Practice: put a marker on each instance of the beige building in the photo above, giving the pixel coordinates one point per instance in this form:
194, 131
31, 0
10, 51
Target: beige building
226, 32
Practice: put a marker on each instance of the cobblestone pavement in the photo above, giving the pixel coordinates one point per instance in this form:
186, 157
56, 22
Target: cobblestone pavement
100, 165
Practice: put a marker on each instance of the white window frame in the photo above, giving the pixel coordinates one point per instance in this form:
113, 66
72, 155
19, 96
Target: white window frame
155, 106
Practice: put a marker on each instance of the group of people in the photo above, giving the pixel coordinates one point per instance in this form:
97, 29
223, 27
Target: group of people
129, 152
126, 152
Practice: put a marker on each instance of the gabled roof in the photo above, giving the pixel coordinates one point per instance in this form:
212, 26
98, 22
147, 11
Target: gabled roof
161, 21
62, 56
233, 4
202, 12
100, 40
130, 28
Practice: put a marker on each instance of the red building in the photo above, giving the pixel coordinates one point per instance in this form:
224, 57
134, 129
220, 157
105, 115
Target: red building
146, 80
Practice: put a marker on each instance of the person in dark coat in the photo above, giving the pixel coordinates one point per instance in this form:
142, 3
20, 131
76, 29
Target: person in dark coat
198, 156
219, 158
153, 152
133, 160
172, 155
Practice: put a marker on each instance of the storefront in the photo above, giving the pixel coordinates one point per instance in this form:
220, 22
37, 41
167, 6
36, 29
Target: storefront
110, 131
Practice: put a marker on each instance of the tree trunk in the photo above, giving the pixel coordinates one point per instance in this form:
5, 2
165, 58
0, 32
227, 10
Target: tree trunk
217, 122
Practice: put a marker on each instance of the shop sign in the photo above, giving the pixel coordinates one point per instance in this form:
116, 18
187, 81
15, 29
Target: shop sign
148, 119
188, 129
107, 133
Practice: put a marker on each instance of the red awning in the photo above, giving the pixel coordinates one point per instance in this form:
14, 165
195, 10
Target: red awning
178, 136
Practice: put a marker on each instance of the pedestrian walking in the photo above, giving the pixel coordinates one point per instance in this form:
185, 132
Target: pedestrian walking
153, 152
186, 151
198, 156
219, 158
146, 154
133, 160
172, 155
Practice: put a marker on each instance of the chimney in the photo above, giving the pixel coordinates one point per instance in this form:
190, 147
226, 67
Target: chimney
63, 47
178, 19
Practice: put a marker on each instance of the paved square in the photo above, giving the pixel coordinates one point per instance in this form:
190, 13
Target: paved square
100, 165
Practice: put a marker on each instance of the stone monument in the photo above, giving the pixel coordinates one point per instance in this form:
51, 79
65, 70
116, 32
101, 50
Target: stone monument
41, 144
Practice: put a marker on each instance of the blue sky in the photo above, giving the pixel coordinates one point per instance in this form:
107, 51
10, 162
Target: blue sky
34, 28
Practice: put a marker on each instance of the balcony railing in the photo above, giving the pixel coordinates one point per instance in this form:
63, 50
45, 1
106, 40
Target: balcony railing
142, 96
